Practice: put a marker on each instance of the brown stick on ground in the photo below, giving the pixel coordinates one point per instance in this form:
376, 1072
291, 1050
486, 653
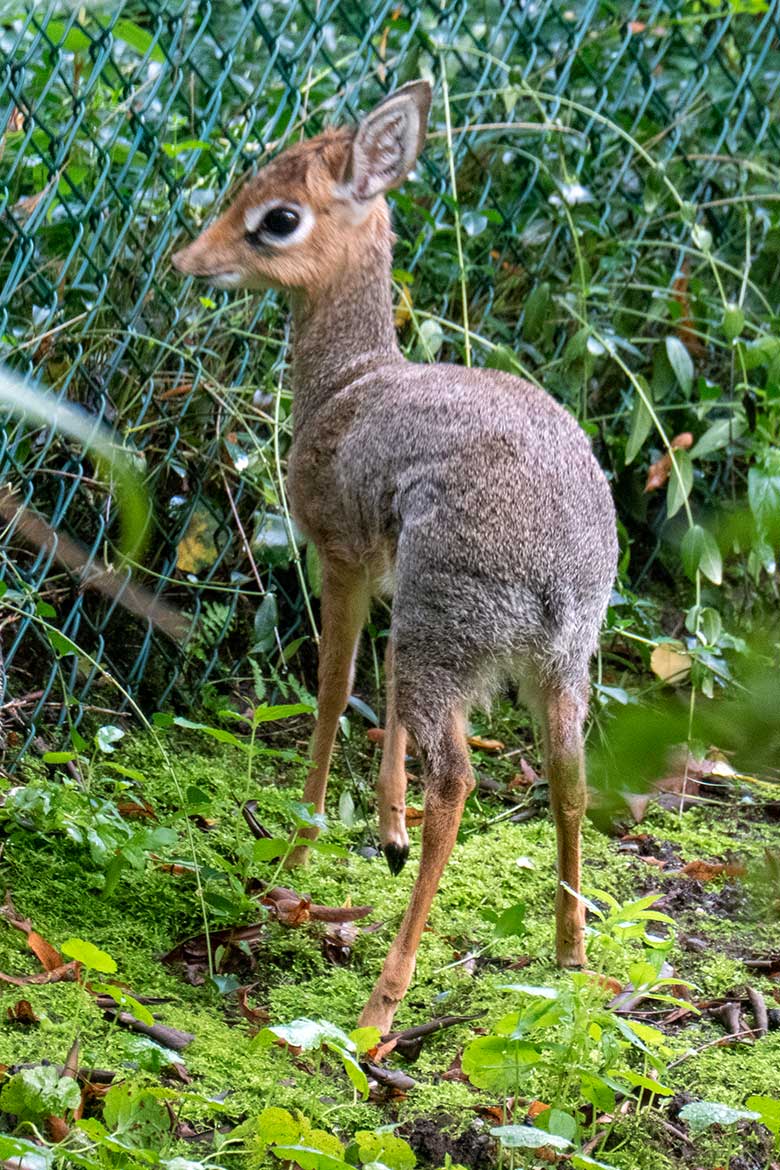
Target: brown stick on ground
69, 553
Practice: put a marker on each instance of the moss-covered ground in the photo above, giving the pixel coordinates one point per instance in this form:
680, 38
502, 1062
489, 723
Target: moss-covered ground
497, 863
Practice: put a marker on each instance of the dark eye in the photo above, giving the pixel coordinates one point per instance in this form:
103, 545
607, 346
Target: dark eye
280, 221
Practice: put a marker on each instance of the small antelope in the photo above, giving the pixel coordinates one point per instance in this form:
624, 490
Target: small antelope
468, 495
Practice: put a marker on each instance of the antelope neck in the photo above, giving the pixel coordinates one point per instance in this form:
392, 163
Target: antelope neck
343, 330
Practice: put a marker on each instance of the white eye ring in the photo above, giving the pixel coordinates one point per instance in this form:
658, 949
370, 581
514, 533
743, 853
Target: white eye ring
254, 217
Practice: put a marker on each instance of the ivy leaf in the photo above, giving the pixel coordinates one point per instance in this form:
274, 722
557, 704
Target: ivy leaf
305, 1034
641, 424
702, 1115
699, 550
769, 1110
61, 644
679, 485
89, 955
269, 849
39, 1092
266, 620
108, 735
527, 1137
681, 362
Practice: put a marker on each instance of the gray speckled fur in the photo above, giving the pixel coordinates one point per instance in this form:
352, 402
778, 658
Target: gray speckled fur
472, 490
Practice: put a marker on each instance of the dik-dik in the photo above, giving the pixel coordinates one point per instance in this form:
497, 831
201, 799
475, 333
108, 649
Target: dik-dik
467, 495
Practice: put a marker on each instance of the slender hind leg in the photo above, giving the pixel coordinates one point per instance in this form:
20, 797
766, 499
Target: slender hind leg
563, 715
391, 786
345, 599
448, 781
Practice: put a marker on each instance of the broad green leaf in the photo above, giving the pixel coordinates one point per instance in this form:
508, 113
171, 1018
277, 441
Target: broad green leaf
701, 1115
733, 322
60, 643
537, 311
385, 1149
527, 1137
365, 1039
638, 1081
496, 1062
90, 955
277, 1125
125, 1002
347, 809
46, 409
681, 362
305, 1034
33, 1093
136, 1117
699, 550
59, 757
511, 923
218, 733
530, 989
107, 736
309, 1159
272, 543
263, 714
769, 1110
718, 436
679, 484
641, 423
266, 621
19, 1153
139, 39
431, 338
501, 357
351, 1067
561, 1124
764, 498
73, 41
269, 849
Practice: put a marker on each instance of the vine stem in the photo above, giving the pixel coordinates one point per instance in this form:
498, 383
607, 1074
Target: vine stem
458, 226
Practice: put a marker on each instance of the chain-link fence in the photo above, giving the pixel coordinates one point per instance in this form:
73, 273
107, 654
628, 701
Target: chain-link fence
602, 153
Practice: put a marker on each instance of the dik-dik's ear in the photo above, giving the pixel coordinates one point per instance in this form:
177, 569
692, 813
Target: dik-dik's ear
388, 141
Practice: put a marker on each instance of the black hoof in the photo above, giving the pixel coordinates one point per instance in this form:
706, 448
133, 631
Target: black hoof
396, 857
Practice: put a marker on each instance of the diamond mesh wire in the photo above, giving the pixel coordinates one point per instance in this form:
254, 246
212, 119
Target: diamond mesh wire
122, 129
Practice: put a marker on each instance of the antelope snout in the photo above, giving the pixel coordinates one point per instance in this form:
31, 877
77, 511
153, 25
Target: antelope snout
186, 261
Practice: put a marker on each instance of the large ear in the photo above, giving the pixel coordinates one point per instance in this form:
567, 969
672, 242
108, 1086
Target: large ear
389, 140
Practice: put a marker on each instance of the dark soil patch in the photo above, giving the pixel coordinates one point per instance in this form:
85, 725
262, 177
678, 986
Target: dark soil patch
431, 1142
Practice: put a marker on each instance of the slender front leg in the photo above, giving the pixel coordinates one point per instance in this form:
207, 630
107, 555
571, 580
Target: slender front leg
391, 786
449, 780
564, 713
344, 607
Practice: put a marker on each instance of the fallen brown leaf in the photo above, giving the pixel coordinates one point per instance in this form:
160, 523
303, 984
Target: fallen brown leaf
606, 982
526, 777
659, 472
136, 810
670, 662
707, 871
49, 958
684, 327
256, 1016
337, 942
485, 745
22, 1013
413, 816
285, 902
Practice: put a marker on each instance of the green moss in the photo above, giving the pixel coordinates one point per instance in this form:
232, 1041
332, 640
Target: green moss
494, 866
